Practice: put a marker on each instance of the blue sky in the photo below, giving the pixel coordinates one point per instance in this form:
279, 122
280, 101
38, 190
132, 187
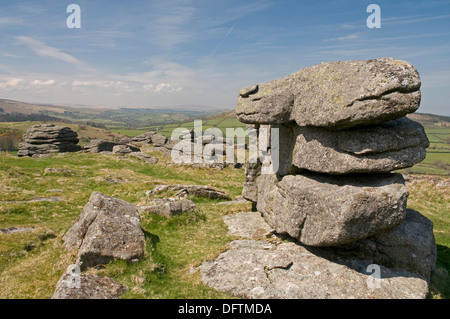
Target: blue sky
182, 52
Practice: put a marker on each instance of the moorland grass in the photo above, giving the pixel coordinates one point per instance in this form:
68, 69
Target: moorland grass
32, 263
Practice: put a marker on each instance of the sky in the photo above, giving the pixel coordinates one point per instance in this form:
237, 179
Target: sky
202, 52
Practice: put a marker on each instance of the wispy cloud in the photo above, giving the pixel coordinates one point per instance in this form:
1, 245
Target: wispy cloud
43, 50
412, 19
352, 36
223, 39
6, 21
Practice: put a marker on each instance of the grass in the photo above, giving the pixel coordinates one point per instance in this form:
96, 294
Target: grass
31, 264
434, 202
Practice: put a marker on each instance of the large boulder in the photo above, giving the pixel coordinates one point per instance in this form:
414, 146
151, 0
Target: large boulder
107, 229
47, 139
335, 95
322, 210
410, 246
380, 148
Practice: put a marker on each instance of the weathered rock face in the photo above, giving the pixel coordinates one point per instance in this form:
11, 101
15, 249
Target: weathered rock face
84, 286
259, 269
48, 139
107, 229
321, 210
410, 246
335, 95
381, 148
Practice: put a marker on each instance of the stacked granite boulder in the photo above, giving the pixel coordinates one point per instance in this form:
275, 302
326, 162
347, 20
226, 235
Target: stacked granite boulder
343, 130
47, 139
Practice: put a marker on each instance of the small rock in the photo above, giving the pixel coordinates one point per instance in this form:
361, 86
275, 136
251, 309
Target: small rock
145, 157
14, 230
195, 190
74, 285
169, 207
124, 149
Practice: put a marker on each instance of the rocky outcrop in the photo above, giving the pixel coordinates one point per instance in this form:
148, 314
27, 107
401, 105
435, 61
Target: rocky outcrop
342, 131
107, 229
48, 139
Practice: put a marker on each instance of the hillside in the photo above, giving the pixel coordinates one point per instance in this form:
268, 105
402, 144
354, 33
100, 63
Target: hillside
431, 120
112, 118
10, 106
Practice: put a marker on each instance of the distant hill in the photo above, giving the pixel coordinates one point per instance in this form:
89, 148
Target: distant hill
10, 106
430, 120
141, 117
112, 118
427, 120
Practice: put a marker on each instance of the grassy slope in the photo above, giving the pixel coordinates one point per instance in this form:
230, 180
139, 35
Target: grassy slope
31, 264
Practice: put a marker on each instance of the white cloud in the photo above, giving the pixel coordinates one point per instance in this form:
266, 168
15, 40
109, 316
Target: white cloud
43, 83
11, 84
167, 87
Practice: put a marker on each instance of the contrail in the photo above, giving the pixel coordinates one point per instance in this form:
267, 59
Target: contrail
226, 35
